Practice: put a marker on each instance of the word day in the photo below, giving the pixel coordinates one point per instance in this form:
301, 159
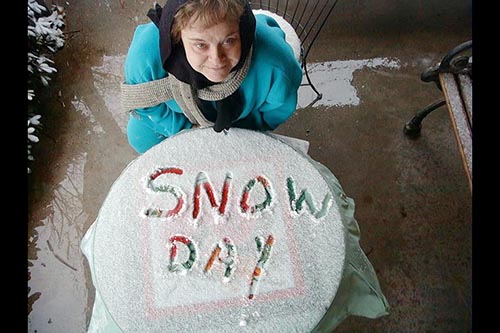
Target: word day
203, 184
225, 246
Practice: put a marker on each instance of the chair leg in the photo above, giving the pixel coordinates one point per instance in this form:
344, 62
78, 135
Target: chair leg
318, 95
412, 128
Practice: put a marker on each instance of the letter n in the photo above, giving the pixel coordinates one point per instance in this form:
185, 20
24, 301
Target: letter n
202, 182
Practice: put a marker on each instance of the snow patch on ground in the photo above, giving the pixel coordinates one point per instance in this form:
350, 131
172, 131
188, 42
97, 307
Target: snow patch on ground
333, 79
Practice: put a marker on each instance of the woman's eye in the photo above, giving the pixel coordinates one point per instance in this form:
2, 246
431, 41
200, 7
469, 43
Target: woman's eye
229, 41
200, 45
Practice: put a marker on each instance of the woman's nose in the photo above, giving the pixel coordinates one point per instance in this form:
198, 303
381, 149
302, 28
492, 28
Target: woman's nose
217, 54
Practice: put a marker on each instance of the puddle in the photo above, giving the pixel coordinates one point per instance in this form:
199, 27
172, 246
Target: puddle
57, 277
107, 80
81, 107
334, 80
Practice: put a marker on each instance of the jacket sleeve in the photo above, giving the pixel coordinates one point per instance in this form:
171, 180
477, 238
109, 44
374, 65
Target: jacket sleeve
274, 77
143, 64
281, 100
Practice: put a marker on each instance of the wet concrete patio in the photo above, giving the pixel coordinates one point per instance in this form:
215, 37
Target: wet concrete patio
413, 203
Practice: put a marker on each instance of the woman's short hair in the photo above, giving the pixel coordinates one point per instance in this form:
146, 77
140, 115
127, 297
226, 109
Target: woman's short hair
206, 12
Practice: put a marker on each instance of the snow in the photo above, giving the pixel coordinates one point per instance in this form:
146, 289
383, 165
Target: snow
334, 80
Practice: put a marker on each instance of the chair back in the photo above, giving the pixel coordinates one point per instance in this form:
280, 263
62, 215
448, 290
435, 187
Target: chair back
307, 17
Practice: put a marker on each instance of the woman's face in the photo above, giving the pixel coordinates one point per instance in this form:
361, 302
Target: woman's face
212, 51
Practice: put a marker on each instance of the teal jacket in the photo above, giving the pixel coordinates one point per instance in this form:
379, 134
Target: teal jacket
269, 90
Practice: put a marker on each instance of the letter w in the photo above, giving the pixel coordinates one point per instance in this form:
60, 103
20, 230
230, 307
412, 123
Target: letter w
306, 197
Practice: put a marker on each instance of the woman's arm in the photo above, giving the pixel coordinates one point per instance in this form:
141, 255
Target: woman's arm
281, 101
271, 86
149, 126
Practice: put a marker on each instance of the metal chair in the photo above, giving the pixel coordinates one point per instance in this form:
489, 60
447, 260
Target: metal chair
453, 76
458, 62
307, 19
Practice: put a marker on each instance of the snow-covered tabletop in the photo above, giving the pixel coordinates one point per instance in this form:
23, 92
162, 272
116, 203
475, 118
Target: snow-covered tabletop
218, 232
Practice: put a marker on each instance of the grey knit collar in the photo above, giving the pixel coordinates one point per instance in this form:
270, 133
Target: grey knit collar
151, 93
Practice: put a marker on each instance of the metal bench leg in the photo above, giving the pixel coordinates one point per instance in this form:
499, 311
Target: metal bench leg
412, 128
318, 95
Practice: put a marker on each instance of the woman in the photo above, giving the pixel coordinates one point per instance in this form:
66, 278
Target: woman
207, 63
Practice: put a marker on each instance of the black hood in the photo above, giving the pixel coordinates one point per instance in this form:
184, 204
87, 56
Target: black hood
173, 56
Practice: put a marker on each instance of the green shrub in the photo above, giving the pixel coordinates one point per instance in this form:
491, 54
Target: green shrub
45, 37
